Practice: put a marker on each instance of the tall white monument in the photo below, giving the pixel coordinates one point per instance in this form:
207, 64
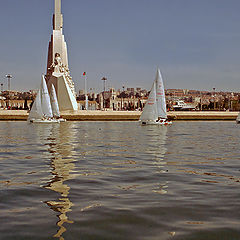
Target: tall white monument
58, 72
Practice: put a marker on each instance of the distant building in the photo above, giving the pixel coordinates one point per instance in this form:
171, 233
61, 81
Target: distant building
138, 89
81, 92
92, 105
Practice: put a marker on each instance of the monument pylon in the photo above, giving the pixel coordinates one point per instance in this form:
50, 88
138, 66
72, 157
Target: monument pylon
58, 72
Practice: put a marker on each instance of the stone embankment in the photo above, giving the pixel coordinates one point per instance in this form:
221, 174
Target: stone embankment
13, 115
21, 115
202, 115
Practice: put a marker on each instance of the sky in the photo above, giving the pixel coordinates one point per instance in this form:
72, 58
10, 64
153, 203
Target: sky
196, 44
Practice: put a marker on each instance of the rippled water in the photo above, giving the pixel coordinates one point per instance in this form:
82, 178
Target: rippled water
119, 180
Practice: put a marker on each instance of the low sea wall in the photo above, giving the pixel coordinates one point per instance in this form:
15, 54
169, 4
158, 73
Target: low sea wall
202, 115
83, 115
13, 115
101, 115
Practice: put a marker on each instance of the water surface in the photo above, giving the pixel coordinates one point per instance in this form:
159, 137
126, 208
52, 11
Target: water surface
120, 180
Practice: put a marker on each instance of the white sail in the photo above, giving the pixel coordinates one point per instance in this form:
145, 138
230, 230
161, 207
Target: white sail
46, 103
36, 110
161, 101
150, 109
54, 102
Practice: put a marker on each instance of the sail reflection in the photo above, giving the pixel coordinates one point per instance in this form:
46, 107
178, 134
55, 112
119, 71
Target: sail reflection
157, 148
157, 144
58, 138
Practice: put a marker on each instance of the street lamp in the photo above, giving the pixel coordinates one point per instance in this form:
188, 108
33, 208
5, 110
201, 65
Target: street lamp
201, 100
122, 100
104, 79
9, 76
86, 94
214, 95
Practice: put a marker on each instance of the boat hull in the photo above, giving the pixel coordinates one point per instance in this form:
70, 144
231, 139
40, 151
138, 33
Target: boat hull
44, 121
61, 120
162, 122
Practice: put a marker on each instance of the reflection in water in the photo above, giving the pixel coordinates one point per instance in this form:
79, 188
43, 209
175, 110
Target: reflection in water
117, 193
157, 145
157, 148
59, 139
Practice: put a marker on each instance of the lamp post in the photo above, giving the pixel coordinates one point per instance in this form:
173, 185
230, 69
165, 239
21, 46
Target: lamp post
214, 95
201, 100
104, 79
122, 97
86, 94
9, 76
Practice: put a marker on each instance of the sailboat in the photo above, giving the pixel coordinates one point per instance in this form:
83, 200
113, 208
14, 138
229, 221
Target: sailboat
238, 118
41, 111
54, 105
36, 110
155, 111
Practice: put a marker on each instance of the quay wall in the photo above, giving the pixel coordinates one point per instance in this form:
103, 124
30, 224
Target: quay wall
91, 115
202, 115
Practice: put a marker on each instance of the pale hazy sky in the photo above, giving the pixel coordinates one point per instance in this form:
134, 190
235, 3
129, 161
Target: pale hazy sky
196, 43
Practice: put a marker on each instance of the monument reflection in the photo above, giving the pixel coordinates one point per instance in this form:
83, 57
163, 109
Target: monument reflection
58, 138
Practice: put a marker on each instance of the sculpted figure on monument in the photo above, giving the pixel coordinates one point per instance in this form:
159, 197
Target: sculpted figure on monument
57, 65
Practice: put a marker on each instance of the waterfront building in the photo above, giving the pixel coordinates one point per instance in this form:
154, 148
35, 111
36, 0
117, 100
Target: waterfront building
128, 100
92, 105
15, 104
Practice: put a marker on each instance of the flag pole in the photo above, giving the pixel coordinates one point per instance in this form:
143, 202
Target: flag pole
86, 96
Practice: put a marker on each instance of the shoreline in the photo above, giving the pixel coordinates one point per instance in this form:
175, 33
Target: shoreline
83, 115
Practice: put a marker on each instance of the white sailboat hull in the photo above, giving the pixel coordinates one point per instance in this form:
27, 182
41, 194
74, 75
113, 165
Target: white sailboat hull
162, 122
44, 121
61, 120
